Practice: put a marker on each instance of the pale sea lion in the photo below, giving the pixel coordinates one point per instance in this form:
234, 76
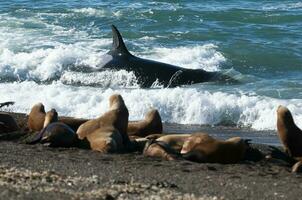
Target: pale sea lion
288, 132
108, 133
201, 147
36, 117
152, 124
7, 123
54, 133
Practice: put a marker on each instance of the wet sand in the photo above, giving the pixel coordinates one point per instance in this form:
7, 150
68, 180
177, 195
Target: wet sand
36, 172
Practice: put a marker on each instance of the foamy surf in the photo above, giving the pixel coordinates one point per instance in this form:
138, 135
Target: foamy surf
176, 105
52, 63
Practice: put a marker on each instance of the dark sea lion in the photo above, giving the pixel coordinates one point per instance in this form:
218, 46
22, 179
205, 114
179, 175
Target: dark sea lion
36, 117
54, 133
201, 147
290, 135
108, 133
152, 124
7, 123
73, 123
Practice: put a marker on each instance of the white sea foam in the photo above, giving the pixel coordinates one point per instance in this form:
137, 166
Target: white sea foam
176, 105
92, 12
283, 6
103, 79
197, 57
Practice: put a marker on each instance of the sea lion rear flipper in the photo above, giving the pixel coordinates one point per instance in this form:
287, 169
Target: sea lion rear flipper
36, 139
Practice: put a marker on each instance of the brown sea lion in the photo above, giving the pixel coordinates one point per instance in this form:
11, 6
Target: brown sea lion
7, 123
54, 133
36, 117
152, 124
175, 141
167, 147
201, 147
289, 134
108, 133
161, 150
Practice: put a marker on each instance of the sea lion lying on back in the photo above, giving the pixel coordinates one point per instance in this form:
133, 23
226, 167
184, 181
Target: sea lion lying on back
54, 133
36, 117
290, 136
7, 123
108, 133
201, 147
152, 124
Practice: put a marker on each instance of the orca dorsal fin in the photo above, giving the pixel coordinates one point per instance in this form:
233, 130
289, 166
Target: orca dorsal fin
118, 44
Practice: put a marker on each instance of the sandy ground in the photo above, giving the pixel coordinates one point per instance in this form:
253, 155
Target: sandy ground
36, 172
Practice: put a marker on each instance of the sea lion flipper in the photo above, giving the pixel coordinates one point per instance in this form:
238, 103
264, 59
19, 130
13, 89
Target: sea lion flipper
118, 44
37, 138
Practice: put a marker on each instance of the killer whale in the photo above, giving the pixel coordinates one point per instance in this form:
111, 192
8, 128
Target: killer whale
149, 71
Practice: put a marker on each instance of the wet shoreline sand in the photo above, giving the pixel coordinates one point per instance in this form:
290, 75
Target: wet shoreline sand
36, 171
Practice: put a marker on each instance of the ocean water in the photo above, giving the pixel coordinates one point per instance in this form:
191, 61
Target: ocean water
46, 47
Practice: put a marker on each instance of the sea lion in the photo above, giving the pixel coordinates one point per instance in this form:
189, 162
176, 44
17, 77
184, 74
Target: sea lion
167, 147
160, 149
7, 123
54, 133
108, 133
175, 141
288, 132
36, 117
152, 124
200, 147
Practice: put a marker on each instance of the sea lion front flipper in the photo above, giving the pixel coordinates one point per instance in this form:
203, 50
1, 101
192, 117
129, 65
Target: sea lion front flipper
37, 138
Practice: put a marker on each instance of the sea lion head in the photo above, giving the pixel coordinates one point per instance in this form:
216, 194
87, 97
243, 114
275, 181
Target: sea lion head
158, 149
152, 115
116, 101
284, 117
104, 145
193, 147
50, 117
36, 117
38, 107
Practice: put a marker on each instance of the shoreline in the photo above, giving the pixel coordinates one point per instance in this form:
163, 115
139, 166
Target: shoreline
36, 171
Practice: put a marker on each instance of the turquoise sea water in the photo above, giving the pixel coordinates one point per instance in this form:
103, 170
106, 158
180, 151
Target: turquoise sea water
44, 46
